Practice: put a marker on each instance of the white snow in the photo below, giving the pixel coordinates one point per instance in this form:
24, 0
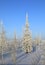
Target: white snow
34, 58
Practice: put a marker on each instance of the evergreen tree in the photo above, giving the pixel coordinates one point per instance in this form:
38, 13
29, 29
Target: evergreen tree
38, 40
27, 38
14, 47
3, 44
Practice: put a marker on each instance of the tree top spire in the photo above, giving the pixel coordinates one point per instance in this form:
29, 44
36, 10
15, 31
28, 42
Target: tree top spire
27, 24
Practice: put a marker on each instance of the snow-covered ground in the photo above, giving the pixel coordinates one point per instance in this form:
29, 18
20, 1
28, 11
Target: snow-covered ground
36, 57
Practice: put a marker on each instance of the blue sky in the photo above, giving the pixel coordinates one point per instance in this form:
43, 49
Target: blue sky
13, 13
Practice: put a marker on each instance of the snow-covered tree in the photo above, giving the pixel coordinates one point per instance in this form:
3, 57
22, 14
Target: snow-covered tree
14, 47
15, 41
3, 44
27, 37
38, 40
